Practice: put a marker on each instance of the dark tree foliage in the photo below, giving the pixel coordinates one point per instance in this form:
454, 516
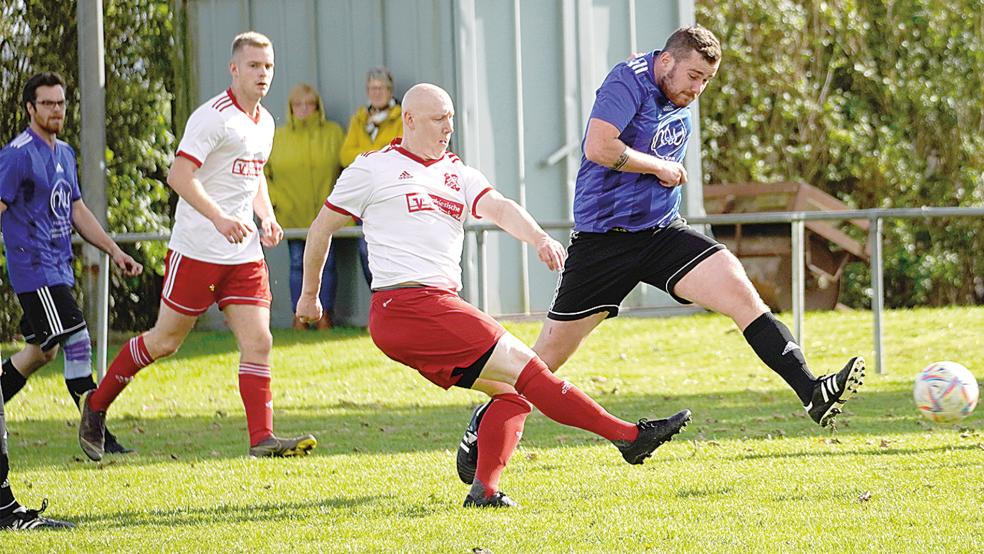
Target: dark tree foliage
878, 103
139, 49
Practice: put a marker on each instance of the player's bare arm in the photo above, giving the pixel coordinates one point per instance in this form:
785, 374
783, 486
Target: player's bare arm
602, 146
513, 219
182, 179
270, 230
88, 226
315, 254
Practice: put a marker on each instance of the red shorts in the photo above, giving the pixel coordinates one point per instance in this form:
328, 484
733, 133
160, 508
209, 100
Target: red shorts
191, 286
431, 330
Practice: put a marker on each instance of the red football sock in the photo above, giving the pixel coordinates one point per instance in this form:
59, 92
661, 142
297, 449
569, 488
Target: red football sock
499, 433
132, 358
566, 404
254, 388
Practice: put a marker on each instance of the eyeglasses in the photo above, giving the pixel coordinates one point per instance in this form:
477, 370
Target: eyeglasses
49, 104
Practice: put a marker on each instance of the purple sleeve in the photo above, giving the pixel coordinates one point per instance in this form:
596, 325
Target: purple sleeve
73, 168
10, 174
618, 98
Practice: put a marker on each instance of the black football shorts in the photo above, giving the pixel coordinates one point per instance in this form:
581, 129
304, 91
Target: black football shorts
50, 315
603, 268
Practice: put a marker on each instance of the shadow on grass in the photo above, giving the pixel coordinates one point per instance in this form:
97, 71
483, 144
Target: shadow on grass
350, 428
225, 514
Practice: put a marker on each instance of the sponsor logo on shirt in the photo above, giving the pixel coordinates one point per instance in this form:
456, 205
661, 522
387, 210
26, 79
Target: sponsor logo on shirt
248, 168
405, 175
417, 202
451, 181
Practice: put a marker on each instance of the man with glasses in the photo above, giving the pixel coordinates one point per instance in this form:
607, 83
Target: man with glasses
41, 204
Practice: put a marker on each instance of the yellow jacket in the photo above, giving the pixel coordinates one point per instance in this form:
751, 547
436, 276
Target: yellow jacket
303, 167
357, 140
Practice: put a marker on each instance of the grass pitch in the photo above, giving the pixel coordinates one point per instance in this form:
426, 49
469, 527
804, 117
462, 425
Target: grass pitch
751, 472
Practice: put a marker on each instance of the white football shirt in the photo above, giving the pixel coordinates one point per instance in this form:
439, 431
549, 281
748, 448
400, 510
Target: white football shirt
413, 213
230, 148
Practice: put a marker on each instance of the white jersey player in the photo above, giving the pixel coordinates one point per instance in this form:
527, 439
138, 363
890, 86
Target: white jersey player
215, 255
413, 198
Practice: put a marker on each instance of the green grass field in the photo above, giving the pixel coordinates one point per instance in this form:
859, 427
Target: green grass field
751, 473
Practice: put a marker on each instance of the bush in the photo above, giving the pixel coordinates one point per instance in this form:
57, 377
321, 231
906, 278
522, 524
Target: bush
876, 103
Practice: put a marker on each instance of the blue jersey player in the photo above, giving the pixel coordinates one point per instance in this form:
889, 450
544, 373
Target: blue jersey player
628, 229
41, 204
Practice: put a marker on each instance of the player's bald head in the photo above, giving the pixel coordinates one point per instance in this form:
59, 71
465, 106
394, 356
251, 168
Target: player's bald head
426, 97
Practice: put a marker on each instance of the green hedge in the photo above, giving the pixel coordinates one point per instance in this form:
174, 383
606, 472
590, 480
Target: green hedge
877, 103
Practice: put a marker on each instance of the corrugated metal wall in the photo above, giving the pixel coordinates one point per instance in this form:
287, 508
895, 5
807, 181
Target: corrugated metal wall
523, 76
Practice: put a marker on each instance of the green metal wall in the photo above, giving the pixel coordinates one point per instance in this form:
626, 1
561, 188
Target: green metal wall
523, 76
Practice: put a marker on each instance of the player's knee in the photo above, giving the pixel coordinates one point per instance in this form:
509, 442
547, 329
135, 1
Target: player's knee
43, 357
258, 346
162, 346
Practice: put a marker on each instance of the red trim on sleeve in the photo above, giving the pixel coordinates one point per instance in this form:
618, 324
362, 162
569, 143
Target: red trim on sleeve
335, 208
193, 159
475, 203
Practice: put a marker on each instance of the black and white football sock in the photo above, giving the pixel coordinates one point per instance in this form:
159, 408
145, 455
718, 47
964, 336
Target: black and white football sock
775, 346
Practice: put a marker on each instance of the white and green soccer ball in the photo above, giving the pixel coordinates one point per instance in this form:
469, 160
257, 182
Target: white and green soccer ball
945, 392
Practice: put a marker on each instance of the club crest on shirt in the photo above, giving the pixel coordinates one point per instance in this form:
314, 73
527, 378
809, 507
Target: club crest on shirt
61, 209
418, 202
669, 140
248, 168
451, 181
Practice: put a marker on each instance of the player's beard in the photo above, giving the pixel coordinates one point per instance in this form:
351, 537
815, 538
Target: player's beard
51, 125
677, 97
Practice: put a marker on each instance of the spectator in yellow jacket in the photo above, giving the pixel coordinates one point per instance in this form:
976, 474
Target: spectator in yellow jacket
372, 127
301, 172
377, 123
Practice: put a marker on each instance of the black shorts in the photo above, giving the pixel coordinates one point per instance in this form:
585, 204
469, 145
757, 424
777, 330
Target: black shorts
50, 315
603, 268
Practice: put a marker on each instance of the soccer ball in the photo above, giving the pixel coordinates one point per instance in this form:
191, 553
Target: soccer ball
945, 392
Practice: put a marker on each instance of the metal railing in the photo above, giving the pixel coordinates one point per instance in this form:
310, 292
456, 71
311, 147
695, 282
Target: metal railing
795, 219
797, 224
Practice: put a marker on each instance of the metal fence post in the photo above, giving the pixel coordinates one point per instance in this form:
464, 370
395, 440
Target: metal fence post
799, 278
483, 280
102, 315
877, 290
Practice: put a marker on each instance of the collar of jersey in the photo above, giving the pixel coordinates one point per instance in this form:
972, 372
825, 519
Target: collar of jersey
240, 108
396, 144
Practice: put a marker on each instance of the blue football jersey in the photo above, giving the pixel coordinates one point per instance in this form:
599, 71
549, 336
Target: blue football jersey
631, 101
38, 184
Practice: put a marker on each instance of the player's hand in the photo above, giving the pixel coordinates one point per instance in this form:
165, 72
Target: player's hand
551, 253
308, 308
130, 267
671, 174
271, 232
234, 230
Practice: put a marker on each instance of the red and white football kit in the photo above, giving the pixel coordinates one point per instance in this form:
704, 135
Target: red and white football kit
413, 214
230, 148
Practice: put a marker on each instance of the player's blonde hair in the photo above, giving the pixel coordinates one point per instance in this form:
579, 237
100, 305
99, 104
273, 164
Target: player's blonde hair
249, 38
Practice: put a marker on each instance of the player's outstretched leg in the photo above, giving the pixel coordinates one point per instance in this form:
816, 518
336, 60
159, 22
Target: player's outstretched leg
566, 404
832, 391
